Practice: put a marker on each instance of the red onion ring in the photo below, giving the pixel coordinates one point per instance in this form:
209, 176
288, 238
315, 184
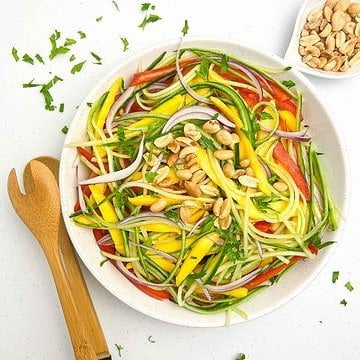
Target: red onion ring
156, 251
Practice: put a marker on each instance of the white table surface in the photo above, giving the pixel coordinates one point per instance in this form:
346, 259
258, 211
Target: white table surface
312, 326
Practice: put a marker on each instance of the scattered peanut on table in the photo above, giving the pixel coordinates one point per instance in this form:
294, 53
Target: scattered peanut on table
330, 38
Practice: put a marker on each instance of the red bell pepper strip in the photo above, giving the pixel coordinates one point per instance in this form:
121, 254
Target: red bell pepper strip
287, 105
250, 97
278, 93
156, 294
151, 75
100, 233
84, 153
275, 271
264, 226
284, 159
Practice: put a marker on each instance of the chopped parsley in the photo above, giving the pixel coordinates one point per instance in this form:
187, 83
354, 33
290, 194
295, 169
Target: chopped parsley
69, 42
206, 143
61, 107
147, 6
264, 115
125, 43
273, 179
89, 105
30, 84
55, 49
72, 57
150, 176
208, 224
116, 5
98, 19
120, 132
196, 276
335, 276
343, 302
288, 83
204, 68
173, 215
241, 356
149, 19
28, 59
119, 348
263, 202
39, 58
77, 67
102, 262
224, 64
185, 28
82, 34
232, 245
65, 129
14, 54
97, 58
150, 339
349, 286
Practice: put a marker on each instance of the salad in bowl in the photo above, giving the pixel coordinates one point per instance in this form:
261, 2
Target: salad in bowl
200, 181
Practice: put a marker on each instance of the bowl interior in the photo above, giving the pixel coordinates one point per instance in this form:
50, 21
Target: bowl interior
292, 55
326, 139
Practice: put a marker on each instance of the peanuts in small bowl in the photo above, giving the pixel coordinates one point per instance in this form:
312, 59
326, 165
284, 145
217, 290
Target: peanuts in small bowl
330, 38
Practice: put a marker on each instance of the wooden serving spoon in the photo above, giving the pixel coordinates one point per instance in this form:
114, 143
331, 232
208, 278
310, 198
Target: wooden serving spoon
76, 279
40, 212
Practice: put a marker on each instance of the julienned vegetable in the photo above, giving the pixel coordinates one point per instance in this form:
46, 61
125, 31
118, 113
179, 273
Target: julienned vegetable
203, 181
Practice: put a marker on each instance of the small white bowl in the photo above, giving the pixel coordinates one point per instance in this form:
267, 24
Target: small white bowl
326, 136
293, 57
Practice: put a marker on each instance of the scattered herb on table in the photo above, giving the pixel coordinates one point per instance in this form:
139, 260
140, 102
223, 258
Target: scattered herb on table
39, 58
61, 107
72, 57
116, 5
147, 6
69, 42
65, 130
28, 59
99, 18
288, 83
119, 348
102, 262
185, 28
96, 57
82, 34
150, 339
149, 19
14, 54
241, 356
55, 49
125, 43
349, 286
343, 302
77, 67
335, 276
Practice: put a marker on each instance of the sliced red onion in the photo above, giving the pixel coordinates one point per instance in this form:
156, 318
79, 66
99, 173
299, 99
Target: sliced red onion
206, 291
157, 86
121, 174
249, 74
106, 240
266, 168
128, 106
292, 135
182, 80
233, 285
156, 251
82, 204
116, 106
128, 274
196, 225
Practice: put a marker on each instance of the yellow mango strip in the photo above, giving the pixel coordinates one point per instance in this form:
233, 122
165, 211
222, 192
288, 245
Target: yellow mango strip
196, 215
169, 108
108, 213
136, 176
163, 238
289, 120
238, 293
173, 245
163, 263
108, 103
195, 255
269, 123
162, 228
246, 149
173, 177
148, 200
82, 219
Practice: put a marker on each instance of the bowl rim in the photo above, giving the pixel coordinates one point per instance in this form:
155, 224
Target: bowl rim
294, 58
231, 42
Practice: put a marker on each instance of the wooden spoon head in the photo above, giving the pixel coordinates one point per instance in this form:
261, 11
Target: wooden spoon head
40, 208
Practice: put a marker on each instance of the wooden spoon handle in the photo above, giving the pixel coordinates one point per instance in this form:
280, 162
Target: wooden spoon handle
78, 334
81, 295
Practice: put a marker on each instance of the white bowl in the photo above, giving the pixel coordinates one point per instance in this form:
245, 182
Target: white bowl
326, 137
293, 57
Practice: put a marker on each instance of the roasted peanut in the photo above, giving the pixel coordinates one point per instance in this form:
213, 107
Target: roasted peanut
280, 186
223, 137
174, 147
162, 173
192, 189
187, 151
224, 154
184, 174
354, 9
225, 222
229, 170
211, 127
185, 214
172, 159
150, 159
248, 181
198, 176
158, 205
217, 206
163, 141
338, 20
244, 163
342, 5
209, 190
225, 209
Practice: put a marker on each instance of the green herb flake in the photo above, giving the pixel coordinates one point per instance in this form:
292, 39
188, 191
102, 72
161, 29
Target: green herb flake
125, 43
120, 133
77, 67
207, 225
349, 286
97, 58
288, 83
39, 58
263, 203
150, 339
224, 64
147, 6
72, 57
46, 93
204, 68
61, 107
69, 42
103, 262
116, 5
55, 49
82, 34
241, 356
273, 179
119, 348
89, 104
343, 302
150, 176
185, 28
14, 54
173, 215
335, 276
65, 129
28, 59
149, 19
98, 19
264, 115
206, 143
30, 84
